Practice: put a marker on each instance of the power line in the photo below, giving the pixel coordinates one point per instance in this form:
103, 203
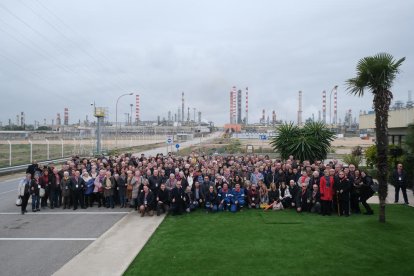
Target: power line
74, 43
75, 32
56, 46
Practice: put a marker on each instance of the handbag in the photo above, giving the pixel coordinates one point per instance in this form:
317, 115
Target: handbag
278, 206
19, 201
129, 187
42, 192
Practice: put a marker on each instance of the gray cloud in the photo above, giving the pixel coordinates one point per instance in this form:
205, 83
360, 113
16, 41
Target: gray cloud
85, 51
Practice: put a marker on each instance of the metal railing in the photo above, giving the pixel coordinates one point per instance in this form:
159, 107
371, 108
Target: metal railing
15, 153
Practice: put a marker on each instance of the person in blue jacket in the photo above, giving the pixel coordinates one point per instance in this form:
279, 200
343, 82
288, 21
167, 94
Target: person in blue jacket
225, 197
237, 199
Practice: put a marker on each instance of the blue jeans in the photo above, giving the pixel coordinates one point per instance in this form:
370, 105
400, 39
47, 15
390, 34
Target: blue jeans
35, 201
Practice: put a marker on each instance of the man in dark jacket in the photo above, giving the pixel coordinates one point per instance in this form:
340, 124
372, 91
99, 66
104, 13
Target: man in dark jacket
177, 199
294, 191
163, 199
146, 202
55, 194
77, 185
272, 177
32, 168
155, 181
314, 200
342, 187
399, 179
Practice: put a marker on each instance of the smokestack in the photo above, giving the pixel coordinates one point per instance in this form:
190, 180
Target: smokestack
239, 108
169, 116
247, 105
22, 119
137, 110
273, 117
199, 117
66, 116
336, 104
263, 120
182, 106
58, 121
233, 108
324, 106
188, 114
300, 109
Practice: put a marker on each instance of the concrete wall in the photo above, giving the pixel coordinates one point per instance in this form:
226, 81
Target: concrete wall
400, 118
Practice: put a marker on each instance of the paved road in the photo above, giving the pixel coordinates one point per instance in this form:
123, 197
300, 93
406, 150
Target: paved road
40, 243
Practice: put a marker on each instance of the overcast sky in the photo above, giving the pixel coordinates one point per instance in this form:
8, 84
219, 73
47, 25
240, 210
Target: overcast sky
56, 54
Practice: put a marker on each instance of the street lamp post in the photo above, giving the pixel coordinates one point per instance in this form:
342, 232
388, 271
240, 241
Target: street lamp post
116, 117
130, 122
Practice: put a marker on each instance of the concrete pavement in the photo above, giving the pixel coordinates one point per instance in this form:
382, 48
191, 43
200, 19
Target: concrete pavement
112, 252
391, 197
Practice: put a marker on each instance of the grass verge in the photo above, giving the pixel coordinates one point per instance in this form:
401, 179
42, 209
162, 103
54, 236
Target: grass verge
282, 243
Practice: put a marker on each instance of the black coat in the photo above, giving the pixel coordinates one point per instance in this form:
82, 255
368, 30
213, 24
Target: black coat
273, 196
34, 187
177, 194
295, 192
154, 182
342, 184
120, 185
150, 199
399, 179
77, 186
272, 178
163, 196
212, 198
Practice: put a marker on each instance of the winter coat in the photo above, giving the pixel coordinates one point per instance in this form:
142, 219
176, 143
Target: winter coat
326, 187
65, 186
108, 185
24, 187
148, 200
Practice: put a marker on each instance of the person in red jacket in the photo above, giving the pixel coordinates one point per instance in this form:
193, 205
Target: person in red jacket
326, 191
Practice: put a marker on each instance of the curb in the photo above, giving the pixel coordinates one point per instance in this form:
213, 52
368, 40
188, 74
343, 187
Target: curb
113, 251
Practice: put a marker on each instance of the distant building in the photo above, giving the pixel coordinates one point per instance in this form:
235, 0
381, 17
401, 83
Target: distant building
398, 122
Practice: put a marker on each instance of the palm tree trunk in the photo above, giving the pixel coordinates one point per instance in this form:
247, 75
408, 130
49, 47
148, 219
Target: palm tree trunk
382, 100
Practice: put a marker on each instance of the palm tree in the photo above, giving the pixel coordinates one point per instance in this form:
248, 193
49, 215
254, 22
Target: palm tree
376, 74
312, 142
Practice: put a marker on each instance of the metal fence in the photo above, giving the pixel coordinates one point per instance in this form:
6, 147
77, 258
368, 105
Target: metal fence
19, 152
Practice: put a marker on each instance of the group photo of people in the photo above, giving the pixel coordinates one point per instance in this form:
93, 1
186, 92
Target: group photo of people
175, 185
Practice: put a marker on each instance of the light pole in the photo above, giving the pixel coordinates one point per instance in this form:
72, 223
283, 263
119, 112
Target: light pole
330, 105
130, 122
116, 117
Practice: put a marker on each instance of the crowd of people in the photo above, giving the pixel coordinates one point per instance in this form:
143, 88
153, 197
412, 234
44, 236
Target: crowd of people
214, 183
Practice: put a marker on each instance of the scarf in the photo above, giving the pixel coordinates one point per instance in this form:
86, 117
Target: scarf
328, 181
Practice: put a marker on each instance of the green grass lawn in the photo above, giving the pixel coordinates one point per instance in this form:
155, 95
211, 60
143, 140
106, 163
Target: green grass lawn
274, 243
